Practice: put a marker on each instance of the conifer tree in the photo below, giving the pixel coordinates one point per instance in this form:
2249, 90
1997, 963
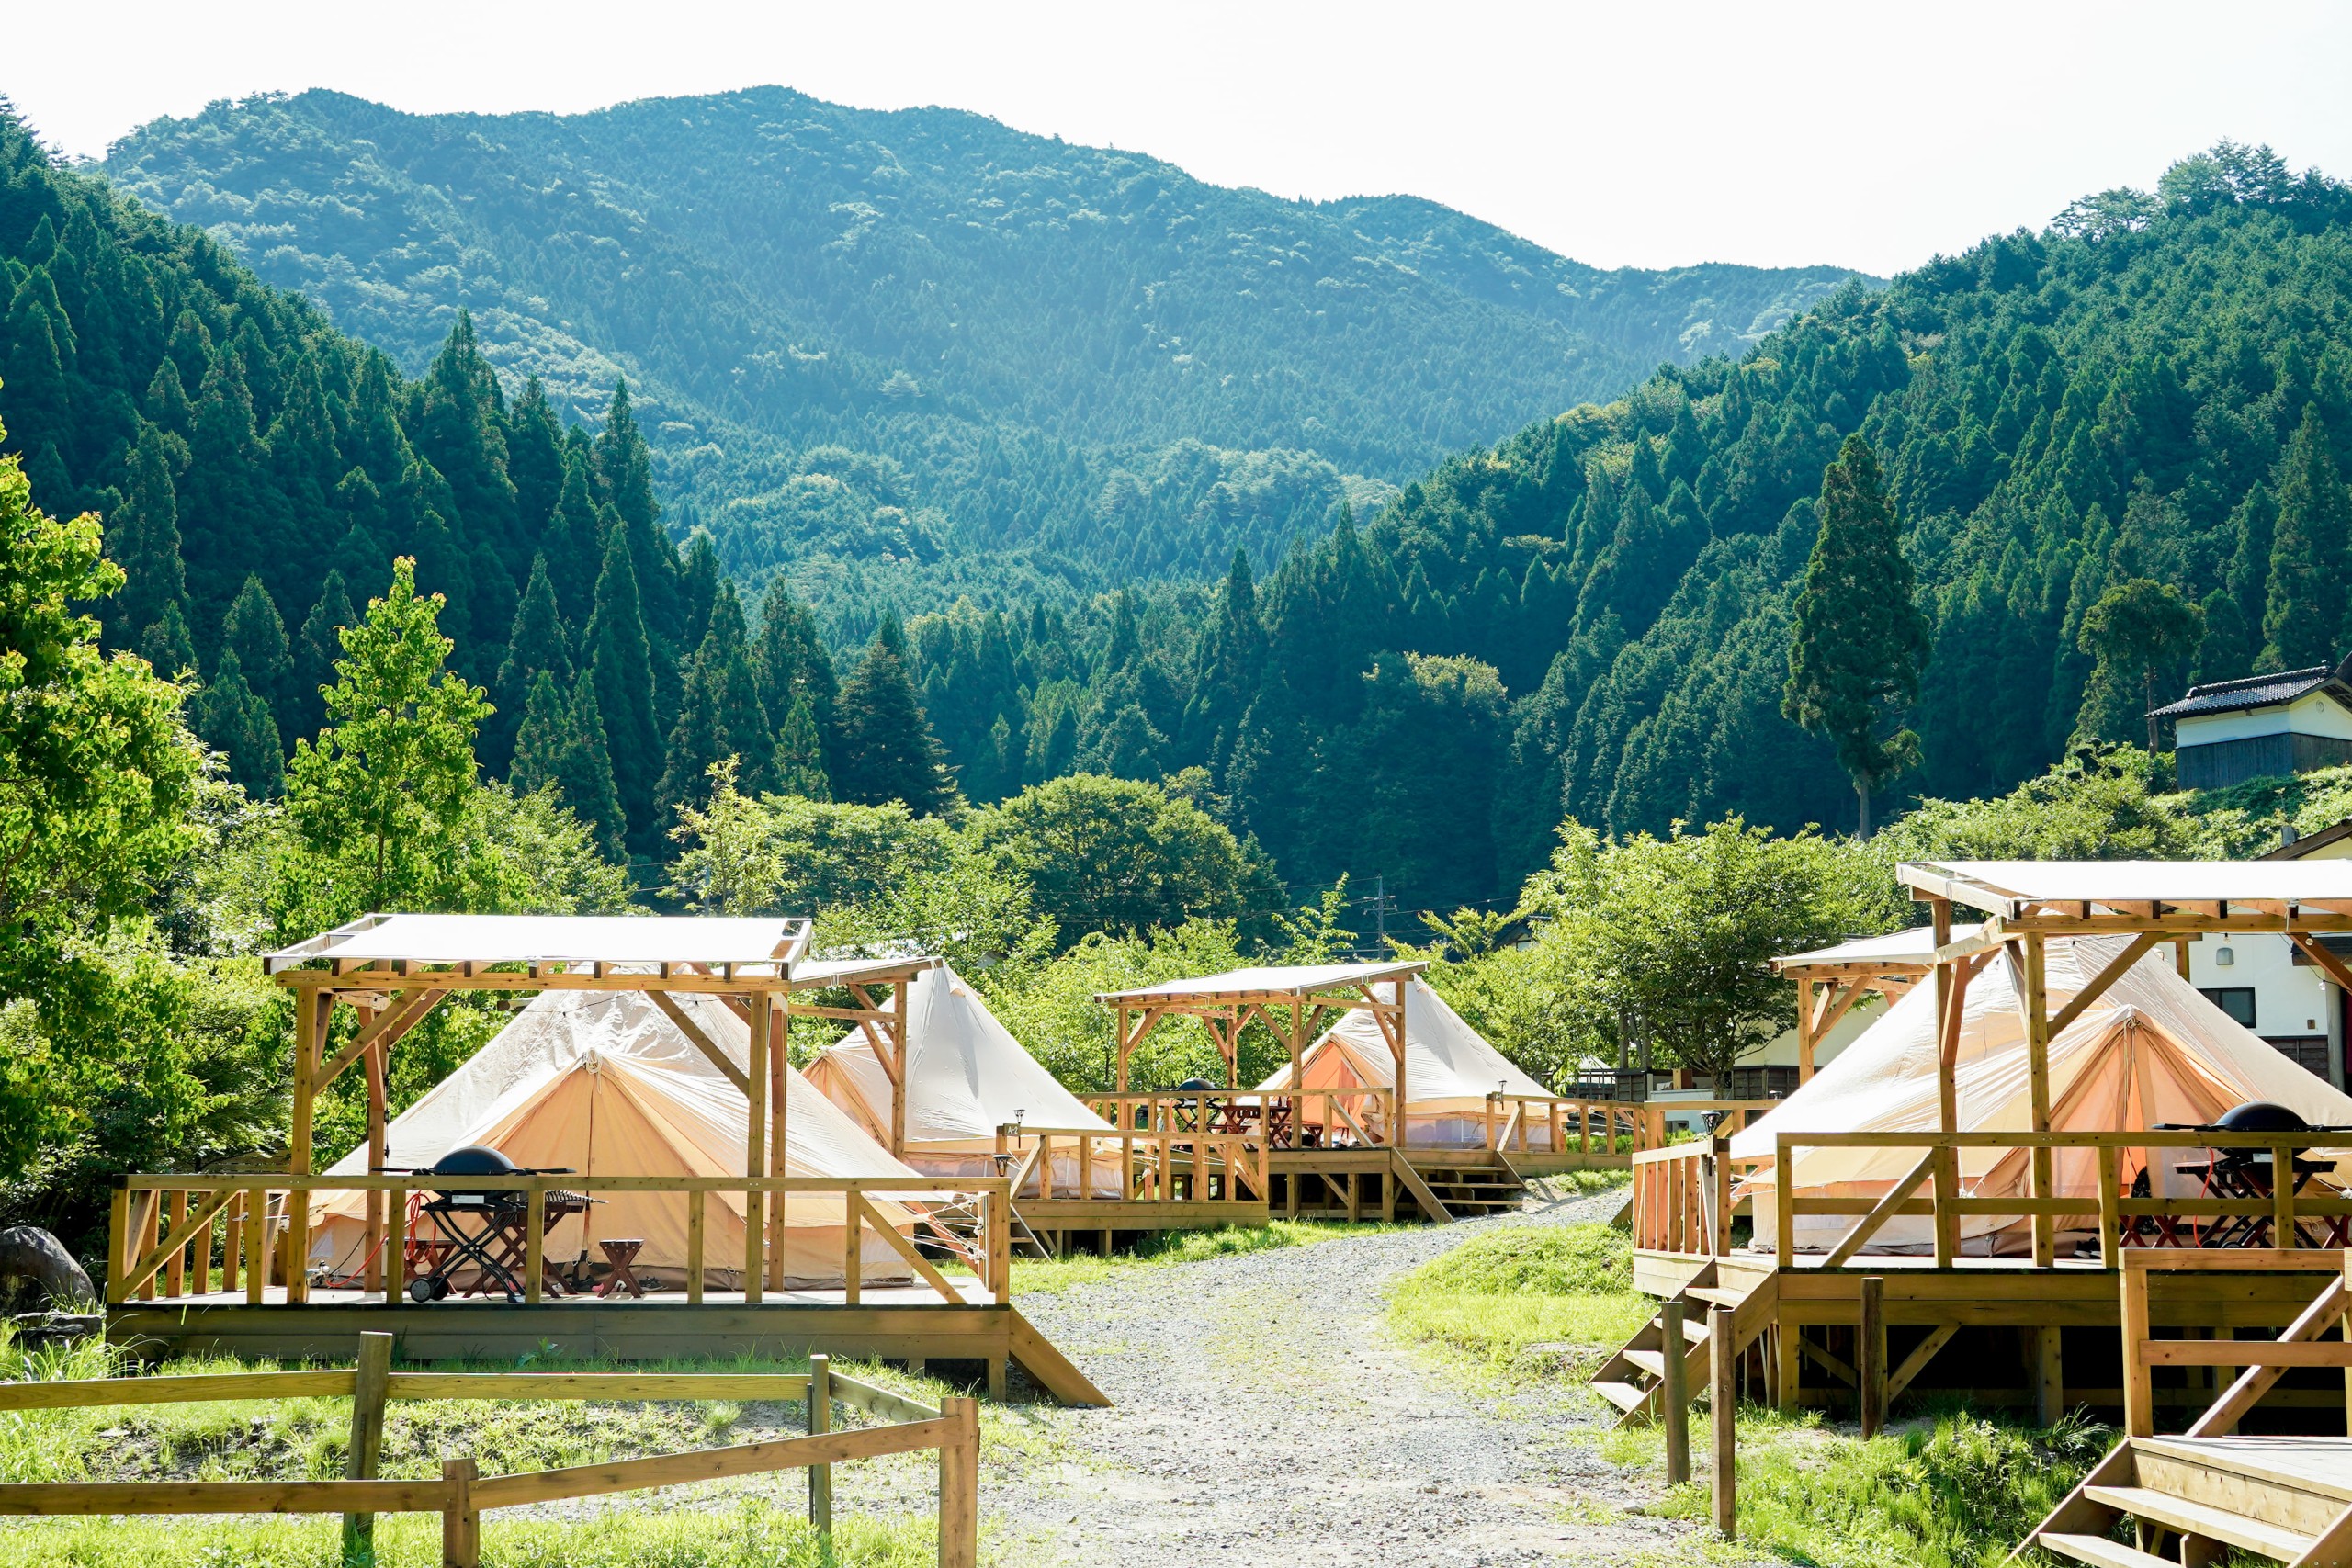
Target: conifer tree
316, 648
256, 633
619, 666
1860, 641
800, 766
535, 643
584, 771
234, 720
543, 737
575, 541
699, 586
143, 538
2311, 555
534, 463
166, 645
793, 667
625, 471
1229, 665
887, 752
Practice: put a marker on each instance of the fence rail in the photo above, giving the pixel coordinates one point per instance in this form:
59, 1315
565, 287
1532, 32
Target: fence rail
2263, 1360
462, 1495
161, 1240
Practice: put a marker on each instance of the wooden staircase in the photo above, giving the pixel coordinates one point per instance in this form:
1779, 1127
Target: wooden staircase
1469, 1191
1633, 1379
2287, 1500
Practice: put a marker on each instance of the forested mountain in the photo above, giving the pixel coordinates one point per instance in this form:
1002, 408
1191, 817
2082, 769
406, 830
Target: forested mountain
911, 354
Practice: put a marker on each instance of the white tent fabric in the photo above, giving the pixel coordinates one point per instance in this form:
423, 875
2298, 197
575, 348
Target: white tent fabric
967, 1076
1449, 1069
2149, 1050
605, 1084
505, 939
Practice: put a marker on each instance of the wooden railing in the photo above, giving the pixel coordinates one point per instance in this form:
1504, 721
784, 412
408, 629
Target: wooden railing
2124, 1222
1349, 1117
1682, 1197
1162, 1166
2263, 1360
460, 1496
161, 1236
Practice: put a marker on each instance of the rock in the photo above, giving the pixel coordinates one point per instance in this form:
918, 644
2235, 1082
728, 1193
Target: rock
31, 1254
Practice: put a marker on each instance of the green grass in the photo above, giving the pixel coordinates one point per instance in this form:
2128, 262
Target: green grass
1487, 1301
751, 1534
1043, 1276
1950, 1490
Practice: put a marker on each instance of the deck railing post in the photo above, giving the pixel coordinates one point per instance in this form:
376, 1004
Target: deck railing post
1723, 1375
2138, 1382
460, 1522
959, 1485
1869, 1357
697, 1239
1784, 1203
367, 1386
854, 1247
535, 1242
1674, 1391
2110, 1211
821, 1476
118, 1245
1723, 1195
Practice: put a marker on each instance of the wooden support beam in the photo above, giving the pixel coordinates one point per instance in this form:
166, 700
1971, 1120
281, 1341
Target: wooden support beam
1897, 1196
755, 1149
1949, 996
1674, 1391
1917, 1362
385, 1029
2049, 1375
2039, 1032
779, 1090
1722, 1416
1869, 1357
701, 1040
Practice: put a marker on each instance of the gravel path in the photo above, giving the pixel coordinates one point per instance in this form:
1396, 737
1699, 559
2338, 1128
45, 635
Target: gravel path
1261, 1414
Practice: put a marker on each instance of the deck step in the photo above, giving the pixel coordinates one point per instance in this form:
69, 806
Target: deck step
2202, 1518
1654, 1361
2101, 1552
1624, 1395
1717, 1295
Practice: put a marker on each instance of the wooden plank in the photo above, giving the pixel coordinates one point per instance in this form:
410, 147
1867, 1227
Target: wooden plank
1052, 1371
1869, 1357
1917, 1362
615, 1386
367, 1442
408, 1009
45, 1497
460, 1514
1883, 1210
708, 1465
1674, 1390
1723, 1413
915, 1260
821, 1475
873, 1400
93, 1392
2243, 1353
959, 1485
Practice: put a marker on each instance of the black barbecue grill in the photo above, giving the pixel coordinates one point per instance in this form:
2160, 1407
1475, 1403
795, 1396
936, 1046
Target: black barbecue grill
484, 1233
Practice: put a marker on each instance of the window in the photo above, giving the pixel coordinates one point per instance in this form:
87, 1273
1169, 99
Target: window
2235, 1000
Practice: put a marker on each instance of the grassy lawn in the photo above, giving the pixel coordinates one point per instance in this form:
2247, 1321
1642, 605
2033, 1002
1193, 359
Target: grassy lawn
1947, 1489
884, 1514
1488, 1302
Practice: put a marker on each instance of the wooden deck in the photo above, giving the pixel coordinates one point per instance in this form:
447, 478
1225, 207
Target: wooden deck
889, 1321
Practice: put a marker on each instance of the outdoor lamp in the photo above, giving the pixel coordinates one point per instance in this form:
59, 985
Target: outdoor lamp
2223, 957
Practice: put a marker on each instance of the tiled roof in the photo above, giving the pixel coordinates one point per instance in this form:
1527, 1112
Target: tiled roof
2251, 692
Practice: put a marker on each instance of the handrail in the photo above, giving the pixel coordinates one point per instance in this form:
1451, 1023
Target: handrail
266, 1223
2263, 1360
2110, 1206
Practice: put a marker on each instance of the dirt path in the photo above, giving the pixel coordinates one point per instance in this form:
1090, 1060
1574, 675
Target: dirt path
1262, 1416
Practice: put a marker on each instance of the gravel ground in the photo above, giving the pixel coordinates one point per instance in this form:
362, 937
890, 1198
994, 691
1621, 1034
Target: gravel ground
1261, 1414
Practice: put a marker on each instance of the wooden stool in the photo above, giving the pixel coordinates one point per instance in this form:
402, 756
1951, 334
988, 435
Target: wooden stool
620, 1255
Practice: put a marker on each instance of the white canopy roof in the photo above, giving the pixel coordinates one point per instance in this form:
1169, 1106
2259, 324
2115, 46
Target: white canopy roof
1266, 979
552, 939
2008, 888
2150, 1050
1913, 945
1449, 1066
967, 1075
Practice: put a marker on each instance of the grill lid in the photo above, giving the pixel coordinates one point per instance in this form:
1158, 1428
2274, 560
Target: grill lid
472, 1160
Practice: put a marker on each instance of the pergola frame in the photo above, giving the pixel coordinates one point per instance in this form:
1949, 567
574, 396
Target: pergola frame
1826, 991
391, 996
2021, 920
1295, 1013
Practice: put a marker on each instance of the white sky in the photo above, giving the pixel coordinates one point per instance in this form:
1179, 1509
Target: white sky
1866, 135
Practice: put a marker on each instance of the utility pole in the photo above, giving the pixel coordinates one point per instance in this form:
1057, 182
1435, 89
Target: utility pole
1380, 906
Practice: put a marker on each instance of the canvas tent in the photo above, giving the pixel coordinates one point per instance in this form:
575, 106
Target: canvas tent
2149, 1050
1449, 1069
967, 1076
602, 1083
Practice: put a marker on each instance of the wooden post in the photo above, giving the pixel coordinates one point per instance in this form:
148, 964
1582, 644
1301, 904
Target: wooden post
1674, 1391
367, 1442
2049, 1376
779, 1092
755, 1148
1947, 1220
1401, 1126
535, 1242
119, 1243
460, 1523
378, 1150
895, 1026
312, 1012
2180, 955
1869, 1357
1000, 1258
2037, 1040
1723, 1373
258, 1250
1788, 1356
2344, 1330
1804, 1031
1784, 1203
174, 1267
959, 1485
821, 1476
697, 1207
854, 1247
396, 1244
1720, 1243
2139, 1384
2110, 1208
1298, 1078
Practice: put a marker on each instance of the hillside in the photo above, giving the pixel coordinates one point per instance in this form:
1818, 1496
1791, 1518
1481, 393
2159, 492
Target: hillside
927, 348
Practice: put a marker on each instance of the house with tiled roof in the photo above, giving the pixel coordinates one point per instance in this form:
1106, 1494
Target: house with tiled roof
2294, 721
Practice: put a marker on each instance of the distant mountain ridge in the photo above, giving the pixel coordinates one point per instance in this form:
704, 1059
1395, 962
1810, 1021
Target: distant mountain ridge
912, 354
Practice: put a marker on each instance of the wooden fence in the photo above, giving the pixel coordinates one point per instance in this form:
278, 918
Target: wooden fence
461, 1494
1164, 1166
2263, 1360
161, 1234
2123, 1220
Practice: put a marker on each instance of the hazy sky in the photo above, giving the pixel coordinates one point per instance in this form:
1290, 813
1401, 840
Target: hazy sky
1866, 135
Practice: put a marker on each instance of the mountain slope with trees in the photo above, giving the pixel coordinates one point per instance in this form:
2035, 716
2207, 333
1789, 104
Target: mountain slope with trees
919, 345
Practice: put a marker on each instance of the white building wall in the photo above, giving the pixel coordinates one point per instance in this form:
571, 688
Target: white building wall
2315, 714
